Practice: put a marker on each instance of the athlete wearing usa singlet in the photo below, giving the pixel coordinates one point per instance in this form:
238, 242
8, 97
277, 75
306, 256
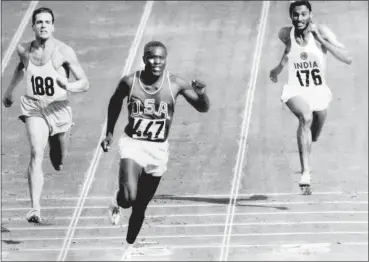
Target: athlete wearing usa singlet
306, 77
45, 98
150, 115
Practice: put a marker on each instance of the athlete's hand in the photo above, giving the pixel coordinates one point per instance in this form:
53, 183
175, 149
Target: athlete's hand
106, 143
313, 28
198, 86
8, 100
62, 82
274, 75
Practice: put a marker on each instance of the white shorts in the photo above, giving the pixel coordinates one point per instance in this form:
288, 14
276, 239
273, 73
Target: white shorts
152, 156
58, 114
318, 98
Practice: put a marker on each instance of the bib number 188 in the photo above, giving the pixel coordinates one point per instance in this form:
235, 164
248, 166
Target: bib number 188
42, 86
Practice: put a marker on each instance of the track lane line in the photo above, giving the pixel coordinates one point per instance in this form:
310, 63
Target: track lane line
92, 248
183, 197
98, 151
13, 43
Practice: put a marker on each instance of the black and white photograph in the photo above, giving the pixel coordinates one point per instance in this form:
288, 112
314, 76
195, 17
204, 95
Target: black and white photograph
184, 130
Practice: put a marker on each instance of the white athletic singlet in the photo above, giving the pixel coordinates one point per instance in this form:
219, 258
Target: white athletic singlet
41, 83
306, 64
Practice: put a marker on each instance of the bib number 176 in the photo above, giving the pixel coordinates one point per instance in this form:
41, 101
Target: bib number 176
305, 75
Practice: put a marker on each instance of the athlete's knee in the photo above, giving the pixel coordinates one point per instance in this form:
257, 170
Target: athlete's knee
306, 119
37, 154
125, 197
315, 136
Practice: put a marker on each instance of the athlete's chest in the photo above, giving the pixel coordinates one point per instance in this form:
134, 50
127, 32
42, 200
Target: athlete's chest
308, 55
46, 62
308, 44
143, 105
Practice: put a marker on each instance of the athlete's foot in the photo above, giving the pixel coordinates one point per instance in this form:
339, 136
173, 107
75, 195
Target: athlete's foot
114, 210
305, 179
58, 167
34, 216
127, 252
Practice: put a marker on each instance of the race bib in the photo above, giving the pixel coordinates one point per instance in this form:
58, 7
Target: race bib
148, 129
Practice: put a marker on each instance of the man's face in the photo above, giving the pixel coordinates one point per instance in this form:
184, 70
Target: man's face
155, 60
43, 26
300, 17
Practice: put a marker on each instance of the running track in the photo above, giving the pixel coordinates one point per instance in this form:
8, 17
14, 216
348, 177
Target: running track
230, 192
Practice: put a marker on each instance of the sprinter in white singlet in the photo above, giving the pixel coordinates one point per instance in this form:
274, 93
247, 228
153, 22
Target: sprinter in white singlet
47, 63
307, 94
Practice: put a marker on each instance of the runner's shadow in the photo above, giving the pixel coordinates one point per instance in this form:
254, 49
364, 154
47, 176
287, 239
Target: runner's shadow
222, 201
12, 242
4, 230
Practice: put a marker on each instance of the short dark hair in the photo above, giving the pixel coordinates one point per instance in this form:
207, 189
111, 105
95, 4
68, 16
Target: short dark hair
42, 10
299, 3
154, 44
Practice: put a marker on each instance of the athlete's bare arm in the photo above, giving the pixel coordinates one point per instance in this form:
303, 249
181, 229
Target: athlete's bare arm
194, 93
284, 36
71, 61
329, 41
116, 102
114, 109
17, 75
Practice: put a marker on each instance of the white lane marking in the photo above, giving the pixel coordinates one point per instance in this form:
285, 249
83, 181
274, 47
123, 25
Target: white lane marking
244, 132
13, 44
98, 151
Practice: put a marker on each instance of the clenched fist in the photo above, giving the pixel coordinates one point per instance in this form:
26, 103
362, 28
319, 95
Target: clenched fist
106, 143
198, 86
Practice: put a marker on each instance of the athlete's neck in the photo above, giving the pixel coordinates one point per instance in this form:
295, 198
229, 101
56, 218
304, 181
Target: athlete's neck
302, 33
148, 78
43, 43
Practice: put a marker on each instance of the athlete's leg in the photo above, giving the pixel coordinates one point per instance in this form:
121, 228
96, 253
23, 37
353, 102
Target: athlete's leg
58, 149
302, 111
147, 185
38, 133
317, 125
129, 172
59, 117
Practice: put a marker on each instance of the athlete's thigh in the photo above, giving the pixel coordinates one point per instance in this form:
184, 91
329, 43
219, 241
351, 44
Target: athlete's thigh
318, 122
59, 117
59, 141
298, 106
147, 186
320, 116
129, 172
37, 132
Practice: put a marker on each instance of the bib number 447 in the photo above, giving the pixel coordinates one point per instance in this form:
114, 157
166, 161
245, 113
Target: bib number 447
148, 129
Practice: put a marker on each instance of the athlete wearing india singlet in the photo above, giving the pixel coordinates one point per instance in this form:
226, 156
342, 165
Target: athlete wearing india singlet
306, 77
150, 114
306, 63
307, 94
